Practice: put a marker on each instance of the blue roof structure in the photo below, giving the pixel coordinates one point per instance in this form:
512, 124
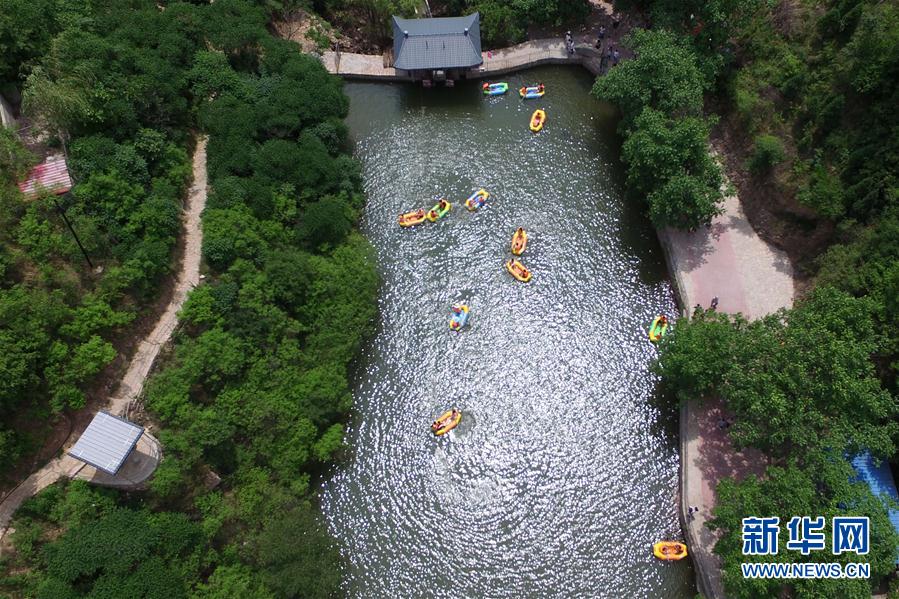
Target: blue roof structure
106, 442
441, 43
880, 480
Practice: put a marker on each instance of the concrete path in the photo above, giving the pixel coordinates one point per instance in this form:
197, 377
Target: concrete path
730, 261
142, 361
496, 62
360, 66
6, 117
132, 383
522, 56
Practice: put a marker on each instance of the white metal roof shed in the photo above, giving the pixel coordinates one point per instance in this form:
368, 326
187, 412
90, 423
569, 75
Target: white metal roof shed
106, 442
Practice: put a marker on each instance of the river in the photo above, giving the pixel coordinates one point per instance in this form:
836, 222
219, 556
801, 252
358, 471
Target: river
564, 469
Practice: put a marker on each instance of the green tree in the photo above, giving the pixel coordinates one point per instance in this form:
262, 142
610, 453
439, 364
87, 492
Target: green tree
669, 165
123, 551
26, 30
327, 221
813, 360
664, 76
501, 25
15, 159
233, 582
61, 103
685, 202
309, 569
329, 443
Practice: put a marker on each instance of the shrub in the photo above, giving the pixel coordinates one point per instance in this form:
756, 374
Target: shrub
824, 192
767, 151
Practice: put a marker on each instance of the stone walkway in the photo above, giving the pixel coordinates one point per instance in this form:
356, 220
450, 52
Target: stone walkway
142, 361
730, 261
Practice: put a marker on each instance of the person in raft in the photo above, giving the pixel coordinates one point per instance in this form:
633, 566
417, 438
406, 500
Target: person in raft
442, 204
540, 88
663, 320
456, 309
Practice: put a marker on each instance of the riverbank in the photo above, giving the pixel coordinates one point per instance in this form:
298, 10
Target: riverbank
727, 260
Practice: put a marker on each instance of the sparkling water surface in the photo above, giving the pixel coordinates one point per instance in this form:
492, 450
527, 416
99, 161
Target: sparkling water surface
563, 471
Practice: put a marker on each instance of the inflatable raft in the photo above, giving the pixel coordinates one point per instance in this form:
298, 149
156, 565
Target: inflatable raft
537, 120
410, 219
519, 241
447, 422
533, 91
460, 316
477, 199
658, 328
439, 210
669, 551
518, 270
495, 89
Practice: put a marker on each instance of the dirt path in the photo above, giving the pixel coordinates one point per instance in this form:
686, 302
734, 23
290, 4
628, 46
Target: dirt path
132, 383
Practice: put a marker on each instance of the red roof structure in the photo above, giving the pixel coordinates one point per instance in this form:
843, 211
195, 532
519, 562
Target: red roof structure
51, 175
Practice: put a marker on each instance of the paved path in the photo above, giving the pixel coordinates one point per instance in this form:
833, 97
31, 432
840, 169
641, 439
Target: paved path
188, 277
730, 261
496, 62
142, 361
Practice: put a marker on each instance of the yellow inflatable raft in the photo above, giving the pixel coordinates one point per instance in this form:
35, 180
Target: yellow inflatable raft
410, 219
519, 241
669, 551
537, 120
518, 270
447, 422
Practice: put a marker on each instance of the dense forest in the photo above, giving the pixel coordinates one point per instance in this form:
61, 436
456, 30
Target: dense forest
806, 96
253, 393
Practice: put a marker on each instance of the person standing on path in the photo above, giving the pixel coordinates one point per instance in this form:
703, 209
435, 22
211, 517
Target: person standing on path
616, 56
609, 54
616, 20
600, 37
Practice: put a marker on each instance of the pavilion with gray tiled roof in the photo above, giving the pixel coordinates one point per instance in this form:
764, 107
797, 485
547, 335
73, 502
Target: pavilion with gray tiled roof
446, 47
